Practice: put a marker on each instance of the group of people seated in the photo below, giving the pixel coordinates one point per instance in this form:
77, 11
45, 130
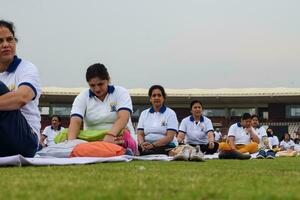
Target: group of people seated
107, 108
158, 132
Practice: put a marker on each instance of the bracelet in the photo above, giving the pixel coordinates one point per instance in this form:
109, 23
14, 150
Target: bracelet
110, 134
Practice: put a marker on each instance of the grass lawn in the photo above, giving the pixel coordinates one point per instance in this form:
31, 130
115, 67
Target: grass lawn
213, 179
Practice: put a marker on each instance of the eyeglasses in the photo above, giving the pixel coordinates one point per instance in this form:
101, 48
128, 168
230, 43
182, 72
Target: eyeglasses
9, 40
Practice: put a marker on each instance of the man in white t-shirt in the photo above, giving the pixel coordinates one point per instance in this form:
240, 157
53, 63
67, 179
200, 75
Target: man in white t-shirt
242, 138
19, 97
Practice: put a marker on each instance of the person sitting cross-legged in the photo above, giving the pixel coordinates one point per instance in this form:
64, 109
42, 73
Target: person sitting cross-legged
157, 125
49, 133
287, 146
265, 150
241, 139
197, 131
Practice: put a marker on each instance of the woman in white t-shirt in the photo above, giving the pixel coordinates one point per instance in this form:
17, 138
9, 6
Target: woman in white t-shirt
19, 98
287, 146
273, 140
157, 125
49, 133
102, 107
287, 143
197, 130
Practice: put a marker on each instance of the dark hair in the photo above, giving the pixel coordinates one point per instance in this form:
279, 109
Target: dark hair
194, 102
254, 116
269, 132
246, 116
10, 26
159, 87
97, 70
58, 117
286, 134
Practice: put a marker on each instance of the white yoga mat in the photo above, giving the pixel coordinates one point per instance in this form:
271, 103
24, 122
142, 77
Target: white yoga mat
19, 160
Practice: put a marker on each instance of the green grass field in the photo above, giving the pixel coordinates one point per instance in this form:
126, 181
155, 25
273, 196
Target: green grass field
213, 179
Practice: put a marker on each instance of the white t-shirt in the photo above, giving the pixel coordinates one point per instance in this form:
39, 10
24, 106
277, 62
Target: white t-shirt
196, 132
50, 133
273, 141
21, 72
239, 133
218, 135
287, 145
156, 124
261, 133
100, 115
297, 147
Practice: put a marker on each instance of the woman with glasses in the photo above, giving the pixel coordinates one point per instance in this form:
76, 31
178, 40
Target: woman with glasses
19, 97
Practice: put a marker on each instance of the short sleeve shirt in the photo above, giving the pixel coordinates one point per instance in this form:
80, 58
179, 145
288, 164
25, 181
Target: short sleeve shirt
218, 135
101, 115
21, 72
261, 133
50, 133
239, 133
273, 141
156, 124
287, 145
196, 132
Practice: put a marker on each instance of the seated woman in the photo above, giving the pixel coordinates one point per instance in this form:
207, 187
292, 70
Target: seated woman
265, 150
242, 138
19, 98
273, 140
297, 145
287, 146
197, 130
157, 125
101, 107
49, 133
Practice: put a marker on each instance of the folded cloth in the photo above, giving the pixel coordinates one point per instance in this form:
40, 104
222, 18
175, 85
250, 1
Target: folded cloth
60, 150
87, 135
97, 149
123, 139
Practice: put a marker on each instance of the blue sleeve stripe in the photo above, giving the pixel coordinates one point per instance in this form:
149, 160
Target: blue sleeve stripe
77, 115
140, 129
124, 108
182, 131
209, 130
31, 86
171, 129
